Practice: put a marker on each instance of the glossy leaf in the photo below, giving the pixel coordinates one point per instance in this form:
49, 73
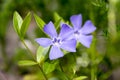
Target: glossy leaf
17, 22
25, 24
61, 75
57, 23
48, 67
54, 78
41, 53
57, 17
58, 20
34, 76
80, 78
70, 66
39, 22
26, 63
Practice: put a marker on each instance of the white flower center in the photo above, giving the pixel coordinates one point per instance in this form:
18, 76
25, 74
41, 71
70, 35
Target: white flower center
77, 34
56, 41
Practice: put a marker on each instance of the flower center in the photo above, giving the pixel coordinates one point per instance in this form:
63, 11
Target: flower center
56, 42
77, 34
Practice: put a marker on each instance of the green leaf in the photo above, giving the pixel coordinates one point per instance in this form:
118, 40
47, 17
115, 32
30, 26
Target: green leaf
98, 59
54, 78
39, 22
41, 53
69, 67
57, 17
34, 76
25, 24
61, 75
27, 63
57, 23
49, 67
17, 22
80, 78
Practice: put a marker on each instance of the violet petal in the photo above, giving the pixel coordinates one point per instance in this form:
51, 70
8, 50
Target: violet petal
55, 53
45, 42
88, 27
85, 40
69, 45
65, 31
76, 21
50, 30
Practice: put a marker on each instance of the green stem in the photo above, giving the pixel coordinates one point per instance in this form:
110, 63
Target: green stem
93, 57
43, 72
31, 54
61, 67
92, 73
92, 67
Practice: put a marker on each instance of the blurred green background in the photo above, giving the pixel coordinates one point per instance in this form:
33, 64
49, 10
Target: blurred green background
105, 15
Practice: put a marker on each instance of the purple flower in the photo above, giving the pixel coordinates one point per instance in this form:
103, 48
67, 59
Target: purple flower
57, 42
81, 34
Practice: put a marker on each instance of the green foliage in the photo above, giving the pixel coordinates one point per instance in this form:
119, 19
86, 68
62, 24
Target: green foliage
21, 25
35, 76
68, 65
25, 24
32, 77
41, 54
57, 17
17, 22
39, 22
26, 63
80, 78
99, 3
60, 75
49, 67
99, 63
57, 24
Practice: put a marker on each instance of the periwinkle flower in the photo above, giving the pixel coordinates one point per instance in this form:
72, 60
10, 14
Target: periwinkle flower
81, 34
57, 42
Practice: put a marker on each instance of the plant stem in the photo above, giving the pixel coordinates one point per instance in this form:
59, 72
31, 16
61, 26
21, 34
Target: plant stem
93, 65
31, 53
43, 72
61, 67
93, 73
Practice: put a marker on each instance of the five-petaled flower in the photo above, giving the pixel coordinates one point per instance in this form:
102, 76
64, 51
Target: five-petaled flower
57, 42
81, 34
68, 36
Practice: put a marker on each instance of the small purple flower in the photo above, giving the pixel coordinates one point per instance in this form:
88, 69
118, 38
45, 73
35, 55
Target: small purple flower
57, 42
81, 34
